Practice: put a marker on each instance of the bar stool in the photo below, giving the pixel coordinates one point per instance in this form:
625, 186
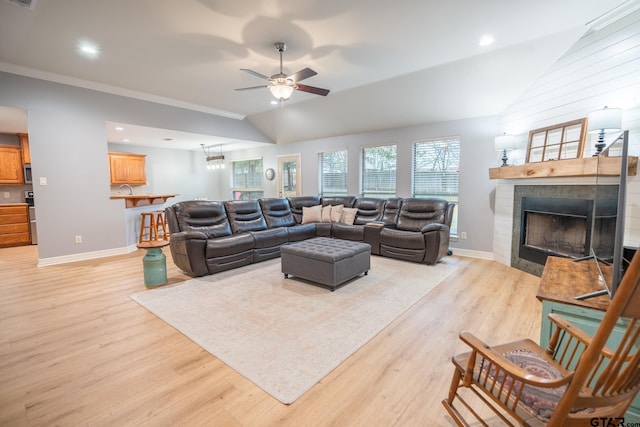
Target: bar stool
162, 232
148, 227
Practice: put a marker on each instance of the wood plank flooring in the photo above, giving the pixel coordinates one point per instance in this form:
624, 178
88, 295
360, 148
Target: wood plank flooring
76, 350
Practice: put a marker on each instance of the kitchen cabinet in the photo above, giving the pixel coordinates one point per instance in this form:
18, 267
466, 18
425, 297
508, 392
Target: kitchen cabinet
11, 165
14, 225
127, 168
24, 146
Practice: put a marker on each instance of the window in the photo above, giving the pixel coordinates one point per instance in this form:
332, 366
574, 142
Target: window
333, 173
436, 167
247, 180
379, 171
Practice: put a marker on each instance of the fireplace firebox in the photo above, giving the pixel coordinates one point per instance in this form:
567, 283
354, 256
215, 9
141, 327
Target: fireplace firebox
566, 227
563, 221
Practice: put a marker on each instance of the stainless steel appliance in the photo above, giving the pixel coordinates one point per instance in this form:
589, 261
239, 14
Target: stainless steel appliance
28, 176
28, 198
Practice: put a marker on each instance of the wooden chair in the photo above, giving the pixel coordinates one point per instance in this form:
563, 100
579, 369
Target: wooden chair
575, 380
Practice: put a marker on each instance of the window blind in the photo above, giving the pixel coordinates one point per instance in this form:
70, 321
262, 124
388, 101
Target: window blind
333, 173
379, 171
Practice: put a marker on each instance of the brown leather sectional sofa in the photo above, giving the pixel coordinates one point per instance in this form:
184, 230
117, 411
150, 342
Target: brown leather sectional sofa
212, 236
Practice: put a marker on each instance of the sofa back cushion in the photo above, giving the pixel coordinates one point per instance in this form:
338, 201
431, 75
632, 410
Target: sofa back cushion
298, 202
346, 201
208, 217
369, 209
245, 215
416, 213
277, 212
391, 210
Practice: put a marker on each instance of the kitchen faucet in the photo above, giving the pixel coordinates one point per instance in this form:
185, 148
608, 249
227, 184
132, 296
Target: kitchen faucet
128, 186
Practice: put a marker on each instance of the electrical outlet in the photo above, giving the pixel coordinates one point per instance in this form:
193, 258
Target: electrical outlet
78, 239
43, 180
463, 235
7, 194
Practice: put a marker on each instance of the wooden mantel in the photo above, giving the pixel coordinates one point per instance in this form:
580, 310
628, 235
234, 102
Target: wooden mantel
609, 166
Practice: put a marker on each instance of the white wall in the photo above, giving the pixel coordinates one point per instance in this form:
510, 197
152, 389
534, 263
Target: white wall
67, 136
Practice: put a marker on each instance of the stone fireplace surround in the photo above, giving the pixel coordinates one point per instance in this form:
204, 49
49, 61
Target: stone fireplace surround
507, 225
571, 192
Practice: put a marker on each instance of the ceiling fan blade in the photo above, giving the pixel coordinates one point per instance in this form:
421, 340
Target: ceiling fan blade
255, 73
252, 87
312, 89
302, 74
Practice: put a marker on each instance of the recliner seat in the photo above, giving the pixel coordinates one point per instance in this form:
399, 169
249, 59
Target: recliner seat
420, 232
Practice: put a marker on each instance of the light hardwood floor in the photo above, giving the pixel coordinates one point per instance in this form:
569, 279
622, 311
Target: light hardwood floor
76, 350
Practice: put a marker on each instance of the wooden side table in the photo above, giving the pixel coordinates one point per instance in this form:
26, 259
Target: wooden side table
562, 280
154, 263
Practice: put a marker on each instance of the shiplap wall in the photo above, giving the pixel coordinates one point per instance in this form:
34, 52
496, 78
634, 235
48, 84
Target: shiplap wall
601, 69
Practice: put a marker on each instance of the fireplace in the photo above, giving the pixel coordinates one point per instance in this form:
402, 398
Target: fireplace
560, 220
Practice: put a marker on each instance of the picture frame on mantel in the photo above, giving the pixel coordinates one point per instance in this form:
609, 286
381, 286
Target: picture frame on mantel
557, 142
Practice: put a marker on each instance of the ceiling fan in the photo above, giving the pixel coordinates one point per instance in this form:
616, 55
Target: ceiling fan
281, 85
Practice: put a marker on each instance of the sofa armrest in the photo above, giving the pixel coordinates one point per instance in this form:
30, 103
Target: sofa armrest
372, 235
434, 227
188, 235
188, 250
436, 240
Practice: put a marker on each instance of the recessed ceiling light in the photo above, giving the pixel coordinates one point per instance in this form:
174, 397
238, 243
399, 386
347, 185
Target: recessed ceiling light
126, 140
88, 49
274, 102
119, 128
486, 40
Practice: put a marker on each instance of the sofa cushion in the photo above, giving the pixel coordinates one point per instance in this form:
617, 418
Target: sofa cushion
332, 213
205, 216
269, 238
297, 202
348, 215
301, 232
391, 211
348, 232
336, 213
346, 201
369, 209
229, 245
245, 215
326, 213
311, 214
416, 213
402, 239
277, 212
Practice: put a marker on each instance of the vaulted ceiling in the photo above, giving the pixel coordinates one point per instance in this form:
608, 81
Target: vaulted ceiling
387, 64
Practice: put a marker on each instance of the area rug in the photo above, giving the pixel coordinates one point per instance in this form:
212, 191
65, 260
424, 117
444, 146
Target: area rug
285, 335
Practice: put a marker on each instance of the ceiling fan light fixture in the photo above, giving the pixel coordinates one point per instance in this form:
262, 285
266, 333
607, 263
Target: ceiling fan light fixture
282, 91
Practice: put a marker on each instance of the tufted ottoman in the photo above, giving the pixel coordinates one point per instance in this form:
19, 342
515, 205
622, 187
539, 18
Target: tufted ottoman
327, 261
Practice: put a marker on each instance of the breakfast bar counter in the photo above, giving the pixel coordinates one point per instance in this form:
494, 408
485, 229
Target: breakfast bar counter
137, 200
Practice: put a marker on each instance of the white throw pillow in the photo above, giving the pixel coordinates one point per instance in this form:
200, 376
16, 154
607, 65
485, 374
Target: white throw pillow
326, 213
348, 215
311, 214
336, 213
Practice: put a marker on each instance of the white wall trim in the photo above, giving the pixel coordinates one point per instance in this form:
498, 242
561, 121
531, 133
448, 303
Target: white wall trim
45, 262
473, 254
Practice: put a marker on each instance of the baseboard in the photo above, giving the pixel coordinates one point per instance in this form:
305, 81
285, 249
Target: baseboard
44, 262
472, 254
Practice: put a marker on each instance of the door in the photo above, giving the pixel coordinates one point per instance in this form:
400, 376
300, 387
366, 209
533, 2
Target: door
289, 172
